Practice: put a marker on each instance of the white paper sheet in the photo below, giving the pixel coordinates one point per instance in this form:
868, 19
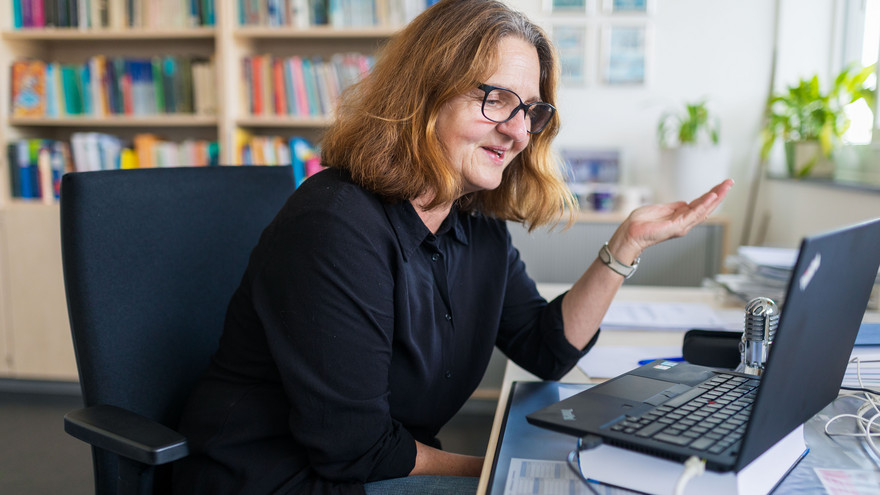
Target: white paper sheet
606, 361
647, 315
537, 477
849, 481
530, 476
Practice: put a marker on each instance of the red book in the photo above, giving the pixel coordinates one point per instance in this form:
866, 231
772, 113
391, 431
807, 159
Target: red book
257, 76
278, 92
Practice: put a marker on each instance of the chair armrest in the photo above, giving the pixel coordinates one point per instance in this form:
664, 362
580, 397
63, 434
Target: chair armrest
127, 434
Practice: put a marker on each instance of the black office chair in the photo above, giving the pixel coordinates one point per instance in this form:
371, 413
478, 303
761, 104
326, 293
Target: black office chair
151, 258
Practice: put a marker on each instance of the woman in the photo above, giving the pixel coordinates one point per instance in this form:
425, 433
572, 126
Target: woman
371, 305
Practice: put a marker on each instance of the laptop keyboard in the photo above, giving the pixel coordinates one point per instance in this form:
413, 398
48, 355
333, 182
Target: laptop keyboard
710, 417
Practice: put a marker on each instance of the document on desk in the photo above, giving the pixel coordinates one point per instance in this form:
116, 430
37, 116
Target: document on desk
537, 477
607, 361
665, 316
849, 481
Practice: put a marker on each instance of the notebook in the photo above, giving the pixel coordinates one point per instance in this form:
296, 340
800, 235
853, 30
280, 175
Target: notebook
825, 303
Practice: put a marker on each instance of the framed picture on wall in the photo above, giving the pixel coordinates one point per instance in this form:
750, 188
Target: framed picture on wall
566, 6
625, 54
628, 6
571, 45
584, 166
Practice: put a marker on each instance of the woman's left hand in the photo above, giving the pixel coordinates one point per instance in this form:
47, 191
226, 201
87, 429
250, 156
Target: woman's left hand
652, 224
585, 304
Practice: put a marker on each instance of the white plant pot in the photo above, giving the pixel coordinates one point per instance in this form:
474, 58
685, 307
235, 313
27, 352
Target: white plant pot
808, 154
688, 172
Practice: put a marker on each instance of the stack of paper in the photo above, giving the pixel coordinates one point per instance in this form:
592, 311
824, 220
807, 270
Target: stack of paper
760, 272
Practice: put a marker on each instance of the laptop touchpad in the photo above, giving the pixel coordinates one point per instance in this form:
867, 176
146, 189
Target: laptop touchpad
630, 387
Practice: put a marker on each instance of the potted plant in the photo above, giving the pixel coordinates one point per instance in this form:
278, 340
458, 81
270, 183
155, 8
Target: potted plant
811, 123
692, 158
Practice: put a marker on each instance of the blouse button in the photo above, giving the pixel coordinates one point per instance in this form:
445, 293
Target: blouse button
448, 317
448, 374
435, 257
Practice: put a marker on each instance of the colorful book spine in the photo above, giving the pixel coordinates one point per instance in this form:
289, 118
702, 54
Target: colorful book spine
28, 79
299, 84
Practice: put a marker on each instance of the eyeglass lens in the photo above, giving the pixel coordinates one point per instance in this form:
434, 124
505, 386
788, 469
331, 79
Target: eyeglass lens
501, 105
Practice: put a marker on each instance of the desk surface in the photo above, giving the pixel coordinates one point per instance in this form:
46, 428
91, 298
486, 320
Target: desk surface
527, 442
715, 298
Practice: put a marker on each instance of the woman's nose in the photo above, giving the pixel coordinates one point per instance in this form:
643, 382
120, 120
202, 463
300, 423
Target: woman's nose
516, 127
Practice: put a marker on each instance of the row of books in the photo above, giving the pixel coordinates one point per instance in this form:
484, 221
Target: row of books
276, 150
100, 151
36, 165
336, 13
299, 86
112, 14
114, 86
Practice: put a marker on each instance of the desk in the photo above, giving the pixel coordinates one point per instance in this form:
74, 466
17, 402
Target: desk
804, 476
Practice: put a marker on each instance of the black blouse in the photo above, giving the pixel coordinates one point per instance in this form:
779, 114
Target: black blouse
356, 331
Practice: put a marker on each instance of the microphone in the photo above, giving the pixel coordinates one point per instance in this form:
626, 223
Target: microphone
762, 318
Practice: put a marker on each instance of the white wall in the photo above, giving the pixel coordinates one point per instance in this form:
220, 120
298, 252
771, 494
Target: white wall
718, 49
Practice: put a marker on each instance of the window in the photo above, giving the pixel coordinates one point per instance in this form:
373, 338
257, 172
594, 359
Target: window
863, 18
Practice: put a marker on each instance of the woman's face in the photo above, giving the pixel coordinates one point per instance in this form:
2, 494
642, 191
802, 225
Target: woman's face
478, 148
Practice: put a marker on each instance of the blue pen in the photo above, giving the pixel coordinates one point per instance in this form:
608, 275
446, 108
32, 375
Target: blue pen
674, 359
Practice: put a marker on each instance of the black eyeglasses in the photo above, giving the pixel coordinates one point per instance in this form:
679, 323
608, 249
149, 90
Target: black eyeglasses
502, 104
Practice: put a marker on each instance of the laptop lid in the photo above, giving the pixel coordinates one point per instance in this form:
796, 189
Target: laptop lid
824, 306
825, 303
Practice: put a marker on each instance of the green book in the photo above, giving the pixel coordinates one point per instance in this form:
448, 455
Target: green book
70, 84
158, 86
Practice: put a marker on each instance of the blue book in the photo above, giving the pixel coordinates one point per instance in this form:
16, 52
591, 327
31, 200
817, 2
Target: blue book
51, 91
14, 171
16, 14
208, 13
85, 89
869, 334
311, 91
27, 172
57, 161
300, 151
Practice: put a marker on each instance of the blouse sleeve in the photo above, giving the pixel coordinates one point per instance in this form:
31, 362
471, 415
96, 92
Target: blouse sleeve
324, 295
531, 330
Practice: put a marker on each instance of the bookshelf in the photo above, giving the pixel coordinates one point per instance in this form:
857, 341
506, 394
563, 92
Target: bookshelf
35, 340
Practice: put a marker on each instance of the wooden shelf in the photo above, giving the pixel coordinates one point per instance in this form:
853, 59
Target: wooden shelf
18, 204
317, 32
169, 120
74, 34
282, 121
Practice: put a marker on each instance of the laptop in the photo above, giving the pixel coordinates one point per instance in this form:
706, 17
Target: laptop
825, 303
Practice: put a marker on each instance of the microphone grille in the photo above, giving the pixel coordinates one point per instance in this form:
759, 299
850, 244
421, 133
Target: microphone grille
761, 313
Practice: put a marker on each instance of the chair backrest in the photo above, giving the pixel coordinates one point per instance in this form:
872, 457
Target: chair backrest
151, 258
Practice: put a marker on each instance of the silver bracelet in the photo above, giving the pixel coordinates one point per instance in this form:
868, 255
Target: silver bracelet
620, 268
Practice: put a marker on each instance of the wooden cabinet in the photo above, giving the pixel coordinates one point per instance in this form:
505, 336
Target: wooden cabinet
36, 333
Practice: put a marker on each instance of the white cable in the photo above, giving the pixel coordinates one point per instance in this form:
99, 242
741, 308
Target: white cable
693, 467
869, 426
